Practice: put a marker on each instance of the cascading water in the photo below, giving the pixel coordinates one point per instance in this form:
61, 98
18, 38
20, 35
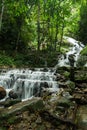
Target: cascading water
74, 50
27, 83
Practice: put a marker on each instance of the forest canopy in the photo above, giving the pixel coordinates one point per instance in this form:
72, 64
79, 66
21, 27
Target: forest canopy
40, 24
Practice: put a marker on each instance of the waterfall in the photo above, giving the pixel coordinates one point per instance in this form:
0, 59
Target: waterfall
74, 50
28, 83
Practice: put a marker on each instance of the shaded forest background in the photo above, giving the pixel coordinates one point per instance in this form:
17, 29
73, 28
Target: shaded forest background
31, 32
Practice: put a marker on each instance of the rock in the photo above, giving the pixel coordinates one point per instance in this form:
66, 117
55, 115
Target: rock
81, 85
2, 92
9, 103
85, 91
67, 95
32, 106
38, 121
79, 98
81, 76
81, 118
63, 102
44, 85
70, 85
13, 95
62, 85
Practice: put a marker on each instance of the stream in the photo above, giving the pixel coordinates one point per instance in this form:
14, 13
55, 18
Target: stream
26, 83
74, 50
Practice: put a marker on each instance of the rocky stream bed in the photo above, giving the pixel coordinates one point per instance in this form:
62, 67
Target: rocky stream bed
62, 110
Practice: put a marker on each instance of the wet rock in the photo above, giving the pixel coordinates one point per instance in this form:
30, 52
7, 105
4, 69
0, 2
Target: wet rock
2, 92
44, 85
36, 91
13, 94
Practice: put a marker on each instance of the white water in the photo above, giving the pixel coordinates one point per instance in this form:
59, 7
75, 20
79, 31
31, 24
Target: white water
75, 50
28, 83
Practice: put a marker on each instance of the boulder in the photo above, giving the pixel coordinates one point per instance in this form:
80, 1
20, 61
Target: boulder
13, 94
44, 85
70, 85
2, 92
64, 102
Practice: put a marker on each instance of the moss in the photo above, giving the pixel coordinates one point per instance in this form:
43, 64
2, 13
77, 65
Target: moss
81, 76
63, 102
84, 51
12, 120
3, 128
66, 74
71, 85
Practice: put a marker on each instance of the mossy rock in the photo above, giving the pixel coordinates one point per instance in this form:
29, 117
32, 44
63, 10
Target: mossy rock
11, 102
70, 85
63, 102
31, 105
81, 75
66, 74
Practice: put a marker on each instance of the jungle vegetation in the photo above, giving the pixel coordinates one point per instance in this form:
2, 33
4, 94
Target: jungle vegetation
32, 28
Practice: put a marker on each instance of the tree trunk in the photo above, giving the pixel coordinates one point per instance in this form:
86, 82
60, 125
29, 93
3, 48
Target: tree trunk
62, 30
16, 45
56, 35
1, 15
38, 26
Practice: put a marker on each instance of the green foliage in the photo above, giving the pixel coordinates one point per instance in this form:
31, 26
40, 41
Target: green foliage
22, 18
6, 61
71, 85
27, 25
3, 128
84, 51
32, 59
83, 58
82, 31
66, 74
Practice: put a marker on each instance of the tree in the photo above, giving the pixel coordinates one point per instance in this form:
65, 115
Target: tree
82, 32
27, 23
13, 20
2, 11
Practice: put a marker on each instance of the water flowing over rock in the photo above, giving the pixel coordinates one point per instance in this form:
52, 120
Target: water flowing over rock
74, 50
26, 83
